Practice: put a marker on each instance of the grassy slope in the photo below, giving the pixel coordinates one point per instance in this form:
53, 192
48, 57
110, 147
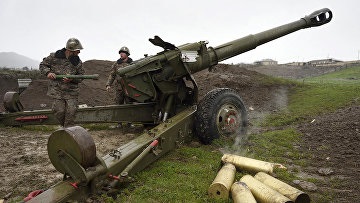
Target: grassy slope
320, 95
346, 76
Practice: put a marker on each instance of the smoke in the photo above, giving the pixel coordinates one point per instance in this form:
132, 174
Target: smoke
240, 145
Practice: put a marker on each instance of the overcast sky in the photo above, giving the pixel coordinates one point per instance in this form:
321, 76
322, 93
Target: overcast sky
35, 28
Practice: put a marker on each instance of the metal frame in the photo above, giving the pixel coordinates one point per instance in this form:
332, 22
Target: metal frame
170, 134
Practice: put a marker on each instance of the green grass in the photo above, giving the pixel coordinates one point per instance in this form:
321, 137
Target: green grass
319, 95
268, 80
345, 76
184, 175
276, 146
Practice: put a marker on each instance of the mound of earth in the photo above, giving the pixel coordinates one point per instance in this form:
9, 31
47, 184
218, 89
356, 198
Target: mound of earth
247, 83
9, 81
92, 92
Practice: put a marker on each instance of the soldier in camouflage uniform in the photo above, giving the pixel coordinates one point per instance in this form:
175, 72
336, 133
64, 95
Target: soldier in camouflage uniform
64, 91
121, 63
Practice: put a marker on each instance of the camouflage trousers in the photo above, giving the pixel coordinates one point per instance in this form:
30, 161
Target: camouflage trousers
119, 96
64, 110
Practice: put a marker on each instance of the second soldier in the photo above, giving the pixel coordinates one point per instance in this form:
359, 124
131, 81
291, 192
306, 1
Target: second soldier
123, 61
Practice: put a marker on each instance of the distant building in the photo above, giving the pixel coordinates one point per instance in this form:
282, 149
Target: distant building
296, 64
266, 62
323, 62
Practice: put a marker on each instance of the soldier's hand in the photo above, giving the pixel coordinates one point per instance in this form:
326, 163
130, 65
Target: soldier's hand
108, 87
66, 80
51, 76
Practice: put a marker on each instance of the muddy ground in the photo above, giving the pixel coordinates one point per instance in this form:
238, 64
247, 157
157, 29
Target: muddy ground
332, 139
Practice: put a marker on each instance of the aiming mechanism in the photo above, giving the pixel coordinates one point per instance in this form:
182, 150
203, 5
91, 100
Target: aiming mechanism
159, 85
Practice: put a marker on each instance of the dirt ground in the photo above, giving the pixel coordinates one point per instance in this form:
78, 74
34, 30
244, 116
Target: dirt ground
332, 139
333, 142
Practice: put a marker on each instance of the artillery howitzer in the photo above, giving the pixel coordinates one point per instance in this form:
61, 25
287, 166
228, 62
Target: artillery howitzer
158, 85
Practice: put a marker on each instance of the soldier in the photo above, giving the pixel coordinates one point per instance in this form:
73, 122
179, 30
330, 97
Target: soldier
123, 61
64, 91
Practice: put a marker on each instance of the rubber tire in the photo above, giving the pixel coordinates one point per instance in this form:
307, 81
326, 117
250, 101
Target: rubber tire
207, 115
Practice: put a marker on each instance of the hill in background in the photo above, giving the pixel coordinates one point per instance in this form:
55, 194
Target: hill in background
14, 60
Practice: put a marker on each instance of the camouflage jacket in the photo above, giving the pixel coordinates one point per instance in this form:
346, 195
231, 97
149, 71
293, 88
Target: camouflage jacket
116, 66
57, 63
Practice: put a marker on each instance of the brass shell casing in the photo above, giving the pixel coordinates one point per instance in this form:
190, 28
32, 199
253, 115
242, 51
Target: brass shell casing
262, 192
249, 164
240, 193
292, 193
221, 185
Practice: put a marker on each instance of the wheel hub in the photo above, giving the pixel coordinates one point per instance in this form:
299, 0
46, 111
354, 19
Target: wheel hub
228, 119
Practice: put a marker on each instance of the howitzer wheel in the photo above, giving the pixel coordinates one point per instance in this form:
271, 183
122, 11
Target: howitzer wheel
12, 102
75, 141
220, 113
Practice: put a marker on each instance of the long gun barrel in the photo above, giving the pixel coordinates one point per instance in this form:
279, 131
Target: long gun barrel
197, 57
239, 46
163, 72
94, 76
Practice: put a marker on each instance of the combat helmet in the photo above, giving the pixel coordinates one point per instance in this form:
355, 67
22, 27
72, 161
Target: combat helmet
125, 50
73, 44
